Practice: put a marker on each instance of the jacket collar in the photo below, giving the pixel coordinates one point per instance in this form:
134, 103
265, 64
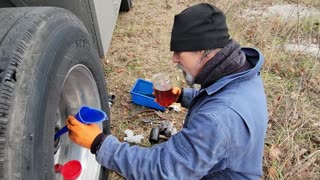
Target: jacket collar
254, 56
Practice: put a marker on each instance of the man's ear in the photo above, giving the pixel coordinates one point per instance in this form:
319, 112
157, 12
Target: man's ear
211, 53
204, 54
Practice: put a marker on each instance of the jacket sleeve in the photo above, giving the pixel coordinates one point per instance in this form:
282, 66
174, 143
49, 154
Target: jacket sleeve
189, 154
188, 95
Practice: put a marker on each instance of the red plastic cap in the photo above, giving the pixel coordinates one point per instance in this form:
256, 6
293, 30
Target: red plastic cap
57, 168
71, 170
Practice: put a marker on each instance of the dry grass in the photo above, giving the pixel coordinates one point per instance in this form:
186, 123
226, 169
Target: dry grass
140, 48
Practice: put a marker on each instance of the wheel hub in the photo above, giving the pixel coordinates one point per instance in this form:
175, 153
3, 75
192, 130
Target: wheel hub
79, 89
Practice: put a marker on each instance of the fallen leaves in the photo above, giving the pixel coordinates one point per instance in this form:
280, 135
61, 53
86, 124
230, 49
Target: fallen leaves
302, 166
277, 100
275, 153
272, 173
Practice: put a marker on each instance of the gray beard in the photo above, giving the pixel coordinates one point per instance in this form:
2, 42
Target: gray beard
188, 77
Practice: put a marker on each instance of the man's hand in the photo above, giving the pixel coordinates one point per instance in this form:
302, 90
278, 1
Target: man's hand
82, 134
176, 91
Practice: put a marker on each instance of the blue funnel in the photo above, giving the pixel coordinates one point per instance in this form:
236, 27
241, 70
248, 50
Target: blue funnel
86, 115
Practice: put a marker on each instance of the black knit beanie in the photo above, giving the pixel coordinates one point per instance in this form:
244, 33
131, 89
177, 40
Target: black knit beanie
199, 27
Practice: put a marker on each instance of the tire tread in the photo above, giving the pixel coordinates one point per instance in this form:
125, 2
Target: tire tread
9, 64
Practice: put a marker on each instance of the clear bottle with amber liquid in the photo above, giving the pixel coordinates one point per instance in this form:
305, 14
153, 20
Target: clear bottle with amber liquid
163, 89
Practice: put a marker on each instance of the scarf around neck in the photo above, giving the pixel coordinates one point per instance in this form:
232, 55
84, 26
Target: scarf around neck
229, 60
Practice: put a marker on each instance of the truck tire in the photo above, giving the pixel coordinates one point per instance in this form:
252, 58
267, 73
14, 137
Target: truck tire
126, 5
49, 67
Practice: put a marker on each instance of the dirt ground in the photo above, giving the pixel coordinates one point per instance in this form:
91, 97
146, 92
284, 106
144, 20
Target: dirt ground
140, 48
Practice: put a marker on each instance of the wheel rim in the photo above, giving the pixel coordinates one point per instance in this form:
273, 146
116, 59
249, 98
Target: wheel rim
79, 88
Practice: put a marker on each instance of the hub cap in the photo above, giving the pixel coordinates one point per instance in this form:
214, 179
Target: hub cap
79, 89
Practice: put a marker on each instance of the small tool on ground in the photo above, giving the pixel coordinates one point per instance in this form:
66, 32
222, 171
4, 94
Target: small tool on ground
155, 136
164, 131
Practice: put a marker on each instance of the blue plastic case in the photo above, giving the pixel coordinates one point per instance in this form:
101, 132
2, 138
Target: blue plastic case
141, 93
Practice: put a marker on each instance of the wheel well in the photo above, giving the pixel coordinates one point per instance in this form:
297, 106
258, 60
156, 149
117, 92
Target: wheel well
6, 3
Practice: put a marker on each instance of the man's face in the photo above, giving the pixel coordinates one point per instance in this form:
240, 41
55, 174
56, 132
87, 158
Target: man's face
190, 62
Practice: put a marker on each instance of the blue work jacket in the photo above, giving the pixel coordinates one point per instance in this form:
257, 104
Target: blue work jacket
222, 136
